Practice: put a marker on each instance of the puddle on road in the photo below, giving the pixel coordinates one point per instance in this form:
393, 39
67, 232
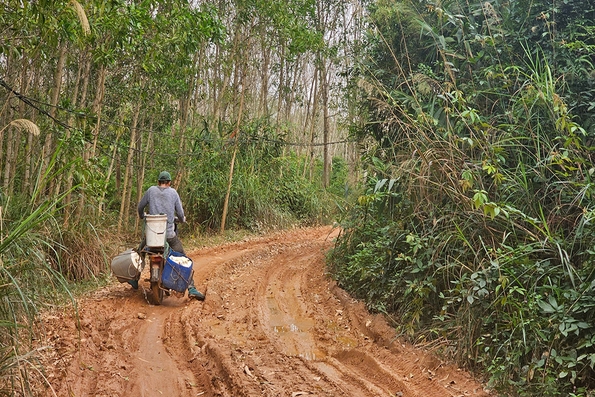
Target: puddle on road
306, 326
337, 330
347, 341
293, 334
296, 334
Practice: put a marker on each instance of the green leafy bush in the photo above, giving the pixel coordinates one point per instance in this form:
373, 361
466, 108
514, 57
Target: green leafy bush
476, 229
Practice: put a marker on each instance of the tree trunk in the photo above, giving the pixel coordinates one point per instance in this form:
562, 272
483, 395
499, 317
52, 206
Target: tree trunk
184, 115
323, 17
309, 118
143, 166
69, 175
30, 160
6, 111
127, 185
86, 78
326, 174
115, 160
281, 89
18, 138
9, 155
263, 108
313, 118
10, 143
89, 153
97, 107
236, 134
215, 78
48, 146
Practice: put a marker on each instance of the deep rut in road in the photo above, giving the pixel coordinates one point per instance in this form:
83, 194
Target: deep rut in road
273, 324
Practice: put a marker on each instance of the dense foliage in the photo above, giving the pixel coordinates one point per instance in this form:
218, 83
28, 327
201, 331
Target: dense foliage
476, 230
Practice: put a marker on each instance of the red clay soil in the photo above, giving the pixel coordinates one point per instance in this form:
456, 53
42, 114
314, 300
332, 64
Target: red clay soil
272, 324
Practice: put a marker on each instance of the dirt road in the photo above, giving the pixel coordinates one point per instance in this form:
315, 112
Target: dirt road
272, 324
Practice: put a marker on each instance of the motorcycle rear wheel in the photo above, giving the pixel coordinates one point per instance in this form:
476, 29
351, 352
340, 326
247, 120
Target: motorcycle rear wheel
155, 295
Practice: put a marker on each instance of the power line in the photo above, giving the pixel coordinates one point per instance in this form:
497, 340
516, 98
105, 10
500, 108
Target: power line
29, 101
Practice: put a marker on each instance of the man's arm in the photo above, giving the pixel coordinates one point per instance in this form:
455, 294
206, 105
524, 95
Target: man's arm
142, 204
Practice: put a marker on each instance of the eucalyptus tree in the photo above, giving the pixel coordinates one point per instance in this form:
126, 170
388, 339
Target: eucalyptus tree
264, 63
117, 67
35, 33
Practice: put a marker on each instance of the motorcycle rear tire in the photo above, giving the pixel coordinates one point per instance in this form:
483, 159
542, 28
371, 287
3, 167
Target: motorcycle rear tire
155, 294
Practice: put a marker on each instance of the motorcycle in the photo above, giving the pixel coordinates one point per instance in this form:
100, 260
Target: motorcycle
168, 270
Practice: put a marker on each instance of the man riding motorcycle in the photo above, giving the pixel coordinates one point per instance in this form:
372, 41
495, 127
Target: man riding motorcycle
163, 199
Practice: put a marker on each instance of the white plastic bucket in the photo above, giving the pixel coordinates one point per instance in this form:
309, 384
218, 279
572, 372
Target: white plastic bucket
155, 229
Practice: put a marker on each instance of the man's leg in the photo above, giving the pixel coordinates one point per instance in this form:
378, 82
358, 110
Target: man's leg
139, 250
176, 244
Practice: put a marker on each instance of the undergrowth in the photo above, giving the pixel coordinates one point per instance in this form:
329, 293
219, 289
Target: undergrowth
476, 229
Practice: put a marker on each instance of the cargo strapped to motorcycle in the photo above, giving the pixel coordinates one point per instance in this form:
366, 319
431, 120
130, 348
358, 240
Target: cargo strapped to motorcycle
177, 272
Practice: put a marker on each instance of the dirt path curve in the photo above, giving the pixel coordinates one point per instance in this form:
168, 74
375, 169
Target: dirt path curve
272, 324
